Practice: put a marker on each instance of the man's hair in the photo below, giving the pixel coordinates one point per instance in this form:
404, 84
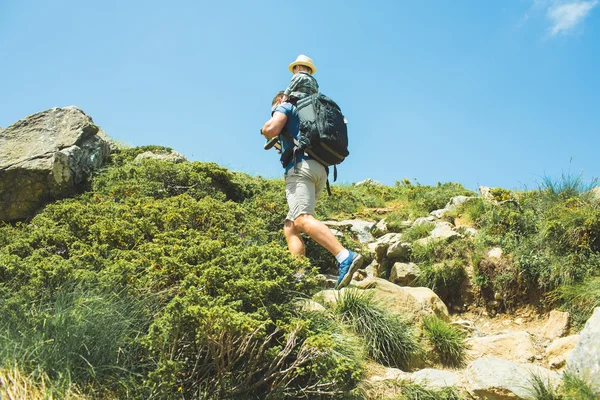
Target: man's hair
278, 96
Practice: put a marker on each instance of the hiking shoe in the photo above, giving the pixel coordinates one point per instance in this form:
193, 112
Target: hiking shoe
347, 268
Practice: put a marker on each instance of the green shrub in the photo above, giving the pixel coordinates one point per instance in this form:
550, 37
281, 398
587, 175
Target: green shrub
447, 341
442, 266
389, 339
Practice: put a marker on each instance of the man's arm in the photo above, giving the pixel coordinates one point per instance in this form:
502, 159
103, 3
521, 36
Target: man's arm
275, 125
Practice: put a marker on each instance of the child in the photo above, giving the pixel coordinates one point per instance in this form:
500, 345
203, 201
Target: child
303, 83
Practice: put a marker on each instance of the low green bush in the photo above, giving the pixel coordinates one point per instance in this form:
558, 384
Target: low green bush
442, 265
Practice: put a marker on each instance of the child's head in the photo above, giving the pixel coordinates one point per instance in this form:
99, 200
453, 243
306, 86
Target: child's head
301, 68
302, 64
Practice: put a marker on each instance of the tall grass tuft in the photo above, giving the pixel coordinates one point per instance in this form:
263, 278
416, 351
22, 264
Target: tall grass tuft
566, 186
541, 389
447, 341
81, 336
580, 299
388, 338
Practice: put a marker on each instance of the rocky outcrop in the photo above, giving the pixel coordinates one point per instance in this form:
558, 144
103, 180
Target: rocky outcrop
46, 156
585, 359
496, 379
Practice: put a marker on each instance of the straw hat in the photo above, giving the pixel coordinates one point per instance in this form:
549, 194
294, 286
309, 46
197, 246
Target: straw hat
303, 60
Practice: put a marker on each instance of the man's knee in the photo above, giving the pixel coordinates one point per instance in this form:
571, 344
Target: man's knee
301, 220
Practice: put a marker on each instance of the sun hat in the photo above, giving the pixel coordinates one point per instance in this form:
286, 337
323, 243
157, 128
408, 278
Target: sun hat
303, 60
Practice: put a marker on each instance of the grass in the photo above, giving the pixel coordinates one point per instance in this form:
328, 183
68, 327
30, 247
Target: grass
412, 391
82, 336
567, 185
447, 341
418, 231
541, 389
579, 299
572, 387
576, 388
15, 385
388, 338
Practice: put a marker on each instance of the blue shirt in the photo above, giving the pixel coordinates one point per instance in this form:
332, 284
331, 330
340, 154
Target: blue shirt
292, 126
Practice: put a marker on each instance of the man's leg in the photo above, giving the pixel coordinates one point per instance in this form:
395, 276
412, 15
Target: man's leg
318, 232
293, 238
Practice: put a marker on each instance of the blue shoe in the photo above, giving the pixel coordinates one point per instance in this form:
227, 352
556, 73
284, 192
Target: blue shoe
347, 268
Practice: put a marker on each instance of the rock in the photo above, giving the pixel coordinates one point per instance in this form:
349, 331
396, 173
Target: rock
336, 233
585, 358
457, 201
512, 346
404, 274
380, 247
372, 270
380, 228
471, 231
468, 327
557, 325
423, 221
435, 379
443, 230
328, 296
496, 252
391, 374
46, 156
496, 379
361, 228
486, 193
438, 213
559, 350
415, 301
368, 181
171, 156
399, 251
385, 384
307, 305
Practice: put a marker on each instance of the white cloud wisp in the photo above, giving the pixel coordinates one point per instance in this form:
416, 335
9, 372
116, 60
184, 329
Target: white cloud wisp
566, 17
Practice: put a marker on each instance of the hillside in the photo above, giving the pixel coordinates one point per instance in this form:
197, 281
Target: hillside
171, 279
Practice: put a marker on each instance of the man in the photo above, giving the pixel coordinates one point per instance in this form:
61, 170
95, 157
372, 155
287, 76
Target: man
304, 184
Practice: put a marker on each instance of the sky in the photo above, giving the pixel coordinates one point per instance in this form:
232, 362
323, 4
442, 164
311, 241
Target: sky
495, 93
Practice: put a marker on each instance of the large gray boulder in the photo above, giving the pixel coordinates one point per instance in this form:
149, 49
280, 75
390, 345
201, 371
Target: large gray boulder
585, 358
47, 156
492, 378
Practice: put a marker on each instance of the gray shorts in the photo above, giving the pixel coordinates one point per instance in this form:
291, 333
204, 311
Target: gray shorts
303, 188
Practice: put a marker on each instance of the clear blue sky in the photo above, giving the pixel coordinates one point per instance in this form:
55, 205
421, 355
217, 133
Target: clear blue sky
495, 93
